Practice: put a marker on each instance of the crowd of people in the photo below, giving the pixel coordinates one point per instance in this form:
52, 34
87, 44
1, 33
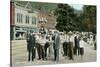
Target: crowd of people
70, 43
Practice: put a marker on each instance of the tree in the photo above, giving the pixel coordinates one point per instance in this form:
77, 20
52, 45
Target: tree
89, 21
65, 18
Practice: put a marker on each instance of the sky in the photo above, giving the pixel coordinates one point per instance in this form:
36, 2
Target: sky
77, 6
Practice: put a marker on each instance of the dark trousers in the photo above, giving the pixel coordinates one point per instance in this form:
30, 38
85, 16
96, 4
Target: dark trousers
56, 55
46, 53
46, 47
31, 54
55, 52
70, 54
70, 50
65, 47
77, 51
41, 51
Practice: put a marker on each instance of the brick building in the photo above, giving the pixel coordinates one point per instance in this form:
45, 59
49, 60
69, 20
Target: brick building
23, 18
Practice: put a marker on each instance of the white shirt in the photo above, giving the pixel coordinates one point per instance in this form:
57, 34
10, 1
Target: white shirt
42, 41
70, 38
37, 37
62, 38
50, 37
81, 42
67, 38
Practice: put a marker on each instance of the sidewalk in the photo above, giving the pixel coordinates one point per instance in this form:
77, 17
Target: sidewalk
19, 55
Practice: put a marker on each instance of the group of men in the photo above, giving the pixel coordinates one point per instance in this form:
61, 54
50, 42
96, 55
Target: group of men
41, 42
72, 45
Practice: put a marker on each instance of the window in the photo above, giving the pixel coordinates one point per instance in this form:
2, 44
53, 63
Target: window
33, 20
27, 19
19, 17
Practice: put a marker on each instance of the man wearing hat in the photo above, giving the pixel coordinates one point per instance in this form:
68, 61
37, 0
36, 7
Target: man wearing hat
31, 42
77, 46
70, 46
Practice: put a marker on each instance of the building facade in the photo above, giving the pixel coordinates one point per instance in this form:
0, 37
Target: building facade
23, 19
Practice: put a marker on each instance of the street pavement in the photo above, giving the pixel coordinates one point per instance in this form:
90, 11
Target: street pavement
19, 55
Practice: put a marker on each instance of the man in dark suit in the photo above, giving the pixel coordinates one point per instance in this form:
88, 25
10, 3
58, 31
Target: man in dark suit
77, 46
31, 47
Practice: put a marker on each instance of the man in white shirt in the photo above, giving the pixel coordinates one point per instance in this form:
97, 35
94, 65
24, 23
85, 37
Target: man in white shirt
65, 45
70, 46
40, 47
82, 43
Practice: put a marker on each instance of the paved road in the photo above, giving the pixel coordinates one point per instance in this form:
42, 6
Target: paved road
19, 55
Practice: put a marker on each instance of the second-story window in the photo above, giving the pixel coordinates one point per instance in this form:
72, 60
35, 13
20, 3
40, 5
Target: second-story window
27, 19
33, 20
19, 18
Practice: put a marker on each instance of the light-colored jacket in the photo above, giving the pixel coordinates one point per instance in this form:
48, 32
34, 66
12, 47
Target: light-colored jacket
57, 42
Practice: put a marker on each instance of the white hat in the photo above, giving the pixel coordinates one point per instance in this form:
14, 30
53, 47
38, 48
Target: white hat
70, 33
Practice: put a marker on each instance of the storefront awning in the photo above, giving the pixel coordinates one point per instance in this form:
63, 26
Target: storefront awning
20, 31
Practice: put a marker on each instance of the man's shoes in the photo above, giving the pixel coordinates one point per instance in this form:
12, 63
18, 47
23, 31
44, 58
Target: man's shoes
39, 58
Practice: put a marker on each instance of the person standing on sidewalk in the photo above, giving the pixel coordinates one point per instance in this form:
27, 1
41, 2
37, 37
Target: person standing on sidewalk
77, 45
65, 45
81, 42
31, 47
56, 47
70, 46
